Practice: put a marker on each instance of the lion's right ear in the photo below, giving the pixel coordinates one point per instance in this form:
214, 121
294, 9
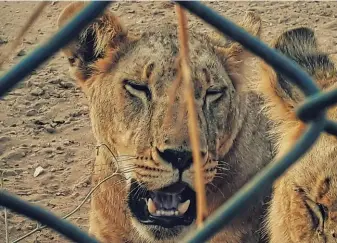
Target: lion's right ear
99, 40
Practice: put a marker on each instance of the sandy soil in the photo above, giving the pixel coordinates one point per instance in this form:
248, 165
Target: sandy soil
44, 121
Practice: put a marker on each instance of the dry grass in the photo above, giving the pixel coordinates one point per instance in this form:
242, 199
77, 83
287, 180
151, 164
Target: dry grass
193, 127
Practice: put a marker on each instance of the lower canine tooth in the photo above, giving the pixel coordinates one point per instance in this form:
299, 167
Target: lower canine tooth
183, 207
151, 206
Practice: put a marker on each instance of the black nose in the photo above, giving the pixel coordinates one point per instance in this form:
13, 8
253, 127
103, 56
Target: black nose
180, 160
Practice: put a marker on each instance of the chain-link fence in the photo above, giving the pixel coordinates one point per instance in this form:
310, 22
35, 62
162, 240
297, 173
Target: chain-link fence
311, 112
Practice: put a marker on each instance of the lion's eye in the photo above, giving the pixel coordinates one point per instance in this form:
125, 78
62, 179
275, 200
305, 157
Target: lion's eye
323, 210
137, 89
214, 93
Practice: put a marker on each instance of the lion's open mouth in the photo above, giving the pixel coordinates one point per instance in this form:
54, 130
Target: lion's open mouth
168, 207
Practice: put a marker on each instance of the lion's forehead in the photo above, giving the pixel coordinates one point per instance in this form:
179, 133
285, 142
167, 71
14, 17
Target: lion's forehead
162, 50
163, 46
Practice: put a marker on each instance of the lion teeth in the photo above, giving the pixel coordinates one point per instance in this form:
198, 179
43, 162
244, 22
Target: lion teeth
151, 206
166, 213
183, 207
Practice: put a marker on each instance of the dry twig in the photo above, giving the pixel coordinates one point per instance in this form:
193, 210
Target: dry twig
192, 115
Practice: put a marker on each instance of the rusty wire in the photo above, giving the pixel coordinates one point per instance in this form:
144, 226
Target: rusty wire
193, 127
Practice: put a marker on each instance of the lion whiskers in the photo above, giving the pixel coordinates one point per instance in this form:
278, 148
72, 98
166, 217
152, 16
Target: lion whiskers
138, 187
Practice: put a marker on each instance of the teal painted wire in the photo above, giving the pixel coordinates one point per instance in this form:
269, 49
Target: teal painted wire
59, 40
331, 127
45, 217
276, 60
317, 103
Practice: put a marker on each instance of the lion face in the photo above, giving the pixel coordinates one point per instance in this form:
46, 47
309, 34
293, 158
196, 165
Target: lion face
129, 109
128, 81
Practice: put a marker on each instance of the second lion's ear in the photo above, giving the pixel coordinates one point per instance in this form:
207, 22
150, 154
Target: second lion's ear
101, 38
233, 53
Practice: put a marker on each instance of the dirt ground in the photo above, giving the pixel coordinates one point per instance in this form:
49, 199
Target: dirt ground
44, 121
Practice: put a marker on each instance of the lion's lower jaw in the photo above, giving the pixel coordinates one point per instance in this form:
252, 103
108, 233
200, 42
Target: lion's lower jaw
147, 234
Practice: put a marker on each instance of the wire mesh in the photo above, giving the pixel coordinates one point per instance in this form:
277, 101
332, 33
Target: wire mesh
311, 112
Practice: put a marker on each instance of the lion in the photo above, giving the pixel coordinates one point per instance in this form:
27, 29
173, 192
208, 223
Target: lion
303, 207
127, 80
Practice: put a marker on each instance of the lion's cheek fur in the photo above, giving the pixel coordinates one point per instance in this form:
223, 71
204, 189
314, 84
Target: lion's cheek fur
109, 214
115, 123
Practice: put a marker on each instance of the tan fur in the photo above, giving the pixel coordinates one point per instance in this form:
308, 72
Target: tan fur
131, 123
310, 184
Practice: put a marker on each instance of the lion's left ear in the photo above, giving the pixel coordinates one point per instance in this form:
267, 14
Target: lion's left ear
100, 39
233, 53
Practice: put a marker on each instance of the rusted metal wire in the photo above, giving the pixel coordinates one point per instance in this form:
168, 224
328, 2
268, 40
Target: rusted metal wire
192, 115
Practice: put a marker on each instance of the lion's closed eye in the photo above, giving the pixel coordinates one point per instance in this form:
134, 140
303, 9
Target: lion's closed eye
317, 213
215, 93
137, 89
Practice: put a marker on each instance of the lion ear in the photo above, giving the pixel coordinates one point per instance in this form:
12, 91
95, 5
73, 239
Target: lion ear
104, 35
233, 53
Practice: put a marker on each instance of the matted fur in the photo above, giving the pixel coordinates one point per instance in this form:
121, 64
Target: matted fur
131, 122
304, 204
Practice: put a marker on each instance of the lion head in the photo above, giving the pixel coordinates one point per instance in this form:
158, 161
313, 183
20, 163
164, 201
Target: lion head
127, 80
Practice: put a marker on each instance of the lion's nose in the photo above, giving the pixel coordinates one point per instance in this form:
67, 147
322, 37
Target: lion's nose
180, 160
